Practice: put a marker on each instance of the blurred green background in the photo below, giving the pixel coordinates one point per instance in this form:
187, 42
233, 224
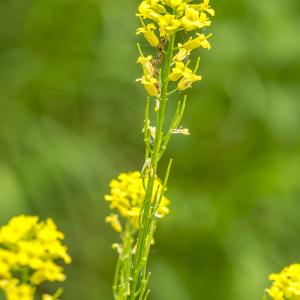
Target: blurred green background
70, 120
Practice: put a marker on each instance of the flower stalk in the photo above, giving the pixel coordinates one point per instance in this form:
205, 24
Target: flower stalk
147, 220
139, 197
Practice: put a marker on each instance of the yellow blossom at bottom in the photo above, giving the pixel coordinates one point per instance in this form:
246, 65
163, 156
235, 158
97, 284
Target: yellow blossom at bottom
286, 284
127, 194
29, 251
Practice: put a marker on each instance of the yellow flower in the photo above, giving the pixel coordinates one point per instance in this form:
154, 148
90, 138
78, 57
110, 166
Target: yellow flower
17, 229
187, 80
149, 34
199, 41
150, 84
205, 7
184, 50
179, 5
286, 284
182, 54
156, 6
151, 9
15, 291
114, 221
49, 271
8, 261
275, 293
178, 71
127, 194
48, 232
168, 24
146, 64
192, 19
187, 76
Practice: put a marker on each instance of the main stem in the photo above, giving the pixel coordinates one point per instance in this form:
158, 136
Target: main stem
121, 286
147, 220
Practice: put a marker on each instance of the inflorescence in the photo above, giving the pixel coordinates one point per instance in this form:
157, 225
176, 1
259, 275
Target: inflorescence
127, 194
173, 29
160, 19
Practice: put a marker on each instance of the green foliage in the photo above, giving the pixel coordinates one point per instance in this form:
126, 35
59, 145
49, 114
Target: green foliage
69, 121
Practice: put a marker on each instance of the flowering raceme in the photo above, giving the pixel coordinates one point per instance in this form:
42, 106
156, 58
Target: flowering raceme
29, 250
127, 194
173, 29
286, 284
161, 19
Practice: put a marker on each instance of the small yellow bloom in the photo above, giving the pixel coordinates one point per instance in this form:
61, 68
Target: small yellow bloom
49, 271
186, 76
179, 5
205, 7
182, 54
17, 228
146, 64
149, 34
151, 9
276, 293
199, 41
168, 24
156, 6
178, 71
114, 221
187, 80
150, 84
192, 19
286, 284
184, 50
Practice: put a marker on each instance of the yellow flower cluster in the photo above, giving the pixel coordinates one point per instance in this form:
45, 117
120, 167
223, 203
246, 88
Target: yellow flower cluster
286, 284
16, 291
29, 249
127, 194
161, 19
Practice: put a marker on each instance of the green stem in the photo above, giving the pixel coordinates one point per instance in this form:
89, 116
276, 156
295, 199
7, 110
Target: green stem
147, 218
121, 287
